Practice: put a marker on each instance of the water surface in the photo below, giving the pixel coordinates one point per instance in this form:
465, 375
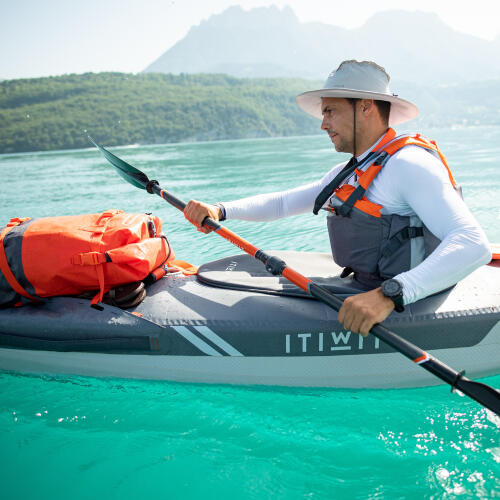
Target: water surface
77, 437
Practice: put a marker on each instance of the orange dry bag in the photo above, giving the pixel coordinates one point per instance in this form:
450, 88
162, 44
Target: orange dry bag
69, 255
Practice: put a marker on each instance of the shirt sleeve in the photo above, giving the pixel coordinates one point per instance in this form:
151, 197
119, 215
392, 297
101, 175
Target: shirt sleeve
421, 181
271, 206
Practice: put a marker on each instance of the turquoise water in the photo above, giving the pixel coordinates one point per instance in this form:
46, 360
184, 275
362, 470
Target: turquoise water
76, 437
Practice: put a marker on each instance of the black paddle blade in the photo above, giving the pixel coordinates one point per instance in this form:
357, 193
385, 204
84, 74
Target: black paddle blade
482, 393
128, 172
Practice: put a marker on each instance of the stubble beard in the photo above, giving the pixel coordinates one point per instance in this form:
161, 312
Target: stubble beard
342, 145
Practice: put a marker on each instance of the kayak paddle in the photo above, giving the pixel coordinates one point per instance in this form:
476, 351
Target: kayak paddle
482, 393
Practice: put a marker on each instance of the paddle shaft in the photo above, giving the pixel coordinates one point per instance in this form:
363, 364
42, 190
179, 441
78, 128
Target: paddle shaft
481, 393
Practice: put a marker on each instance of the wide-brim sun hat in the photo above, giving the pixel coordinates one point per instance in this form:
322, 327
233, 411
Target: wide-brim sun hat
360, 80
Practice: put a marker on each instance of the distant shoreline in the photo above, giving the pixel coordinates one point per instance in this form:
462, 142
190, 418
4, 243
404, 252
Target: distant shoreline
55, 113
90, 149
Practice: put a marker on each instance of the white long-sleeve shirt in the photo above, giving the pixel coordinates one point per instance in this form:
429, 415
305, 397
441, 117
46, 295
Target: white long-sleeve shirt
413, 182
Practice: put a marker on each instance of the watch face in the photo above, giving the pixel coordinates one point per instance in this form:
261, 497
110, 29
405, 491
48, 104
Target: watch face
390, 288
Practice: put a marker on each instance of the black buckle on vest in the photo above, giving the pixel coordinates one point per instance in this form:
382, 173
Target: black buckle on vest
382, 158
412, 232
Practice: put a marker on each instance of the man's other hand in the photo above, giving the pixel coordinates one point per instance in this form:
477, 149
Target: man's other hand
360, 312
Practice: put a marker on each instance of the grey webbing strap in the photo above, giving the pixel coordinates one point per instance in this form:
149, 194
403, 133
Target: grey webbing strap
398, 239
345, 209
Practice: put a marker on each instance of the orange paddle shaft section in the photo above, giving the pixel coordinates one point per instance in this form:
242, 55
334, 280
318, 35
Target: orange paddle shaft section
296, 278
237, 240
273, 265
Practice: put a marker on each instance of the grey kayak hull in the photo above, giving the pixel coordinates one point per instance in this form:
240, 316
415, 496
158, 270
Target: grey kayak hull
188, 330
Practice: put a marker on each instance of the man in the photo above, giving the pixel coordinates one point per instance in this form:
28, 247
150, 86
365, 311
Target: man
396, 217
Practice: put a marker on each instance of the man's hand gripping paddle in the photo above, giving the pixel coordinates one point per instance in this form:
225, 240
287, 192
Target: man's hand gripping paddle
482, 393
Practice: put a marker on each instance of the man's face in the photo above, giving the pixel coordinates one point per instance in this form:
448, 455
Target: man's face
338, 122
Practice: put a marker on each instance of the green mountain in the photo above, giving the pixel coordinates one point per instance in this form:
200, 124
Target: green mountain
57, 112
42, 114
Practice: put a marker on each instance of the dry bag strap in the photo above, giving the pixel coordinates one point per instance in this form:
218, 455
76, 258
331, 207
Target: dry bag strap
90, 258
95, 245
4, 265
17, 220
185, 267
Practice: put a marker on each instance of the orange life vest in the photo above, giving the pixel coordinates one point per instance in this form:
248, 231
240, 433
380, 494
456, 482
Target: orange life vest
71, 254
373, 245
385, 149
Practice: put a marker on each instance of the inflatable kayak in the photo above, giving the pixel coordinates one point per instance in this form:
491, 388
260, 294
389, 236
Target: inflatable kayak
234, 323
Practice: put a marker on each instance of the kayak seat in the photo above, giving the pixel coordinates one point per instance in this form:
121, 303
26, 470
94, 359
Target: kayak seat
243, 272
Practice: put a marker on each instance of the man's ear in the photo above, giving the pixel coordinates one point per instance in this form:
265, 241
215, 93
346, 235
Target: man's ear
367, 105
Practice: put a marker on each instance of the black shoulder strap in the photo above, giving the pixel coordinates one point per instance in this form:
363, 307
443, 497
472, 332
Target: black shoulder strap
328, 190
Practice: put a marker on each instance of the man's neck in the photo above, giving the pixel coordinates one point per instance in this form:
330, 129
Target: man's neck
367, 142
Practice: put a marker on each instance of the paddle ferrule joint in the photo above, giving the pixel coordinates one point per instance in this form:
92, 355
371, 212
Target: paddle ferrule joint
262, 256
275, 266
149, 186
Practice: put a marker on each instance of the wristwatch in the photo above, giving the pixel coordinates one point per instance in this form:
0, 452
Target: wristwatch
222, 209
394, 290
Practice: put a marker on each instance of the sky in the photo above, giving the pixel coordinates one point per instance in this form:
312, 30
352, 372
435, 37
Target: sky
54, 37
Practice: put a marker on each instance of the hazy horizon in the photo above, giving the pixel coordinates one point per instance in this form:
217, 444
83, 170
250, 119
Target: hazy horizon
58, 37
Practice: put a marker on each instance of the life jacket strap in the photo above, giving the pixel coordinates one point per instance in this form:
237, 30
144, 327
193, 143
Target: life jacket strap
351, 166
328, 190
378, 158
345, 209
363, 182
398, 239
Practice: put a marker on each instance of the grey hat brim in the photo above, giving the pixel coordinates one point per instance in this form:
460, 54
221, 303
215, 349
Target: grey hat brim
401, 110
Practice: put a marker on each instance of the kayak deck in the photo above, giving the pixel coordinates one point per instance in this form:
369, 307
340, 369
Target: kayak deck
187, 330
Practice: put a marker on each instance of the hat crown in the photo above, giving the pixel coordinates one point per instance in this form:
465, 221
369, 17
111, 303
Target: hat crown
364, 76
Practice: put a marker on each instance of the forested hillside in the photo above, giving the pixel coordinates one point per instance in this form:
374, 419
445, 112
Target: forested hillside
42, 114
58, 112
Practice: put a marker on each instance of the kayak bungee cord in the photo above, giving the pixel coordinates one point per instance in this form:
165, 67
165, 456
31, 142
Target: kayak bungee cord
480, 392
